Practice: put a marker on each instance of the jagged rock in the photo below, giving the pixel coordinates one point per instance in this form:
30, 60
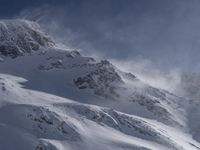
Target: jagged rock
18, 37
104, 80
75, 53
130, 76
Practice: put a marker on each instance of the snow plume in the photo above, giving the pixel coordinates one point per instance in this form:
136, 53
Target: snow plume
189, 85
48, 18
147, 72
185, 84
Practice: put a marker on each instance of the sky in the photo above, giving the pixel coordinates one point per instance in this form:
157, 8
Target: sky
165, 33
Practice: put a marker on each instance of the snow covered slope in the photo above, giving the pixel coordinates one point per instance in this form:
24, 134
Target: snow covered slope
102, 107
37, 120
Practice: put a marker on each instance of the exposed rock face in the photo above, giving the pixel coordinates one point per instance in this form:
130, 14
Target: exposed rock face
104, 80
21, 36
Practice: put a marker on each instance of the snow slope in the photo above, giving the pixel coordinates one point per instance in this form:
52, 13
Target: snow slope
68, 74
40, 120
52, 98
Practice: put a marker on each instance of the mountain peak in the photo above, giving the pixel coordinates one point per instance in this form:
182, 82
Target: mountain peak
19, 36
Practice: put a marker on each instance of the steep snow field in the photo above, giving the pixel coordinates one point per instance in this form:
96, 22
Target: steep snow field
55, 99
68, 74
36, 120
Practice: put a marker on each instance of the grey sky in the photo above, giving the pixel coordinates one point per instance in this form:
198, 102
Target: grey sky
166, 32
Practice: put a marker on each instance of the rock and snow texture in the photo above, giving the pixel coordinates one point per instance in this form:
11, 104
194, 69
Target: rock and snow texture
20, 36
48, 101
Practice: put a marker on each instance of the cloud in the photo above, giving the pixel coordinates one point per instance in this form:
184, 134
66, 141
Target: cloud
147, 72
166, 32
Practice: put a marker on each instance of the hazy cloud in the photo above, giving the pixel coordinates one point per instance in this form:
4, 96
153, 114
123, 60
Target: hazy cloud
166, 32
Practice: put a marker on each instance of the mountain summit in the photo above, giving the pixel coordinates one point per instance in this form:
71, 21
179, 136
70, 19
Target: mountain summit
21, 36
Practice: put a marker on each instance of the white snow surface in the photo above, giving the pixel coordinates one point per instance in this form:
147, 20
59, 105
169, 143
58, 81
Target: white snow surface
54, 99
31, 119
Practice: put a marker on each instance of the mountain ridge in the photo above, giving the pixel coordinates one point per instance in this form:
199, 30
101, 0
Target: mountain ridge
21, 36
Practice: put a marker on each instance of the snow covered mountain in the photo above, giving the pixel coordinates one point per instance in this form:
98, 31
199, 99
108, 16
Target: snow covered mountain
55, 99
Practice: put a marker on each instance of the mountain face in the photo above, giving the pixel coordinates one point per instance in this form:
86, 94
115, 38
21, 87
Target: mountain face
54, 99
